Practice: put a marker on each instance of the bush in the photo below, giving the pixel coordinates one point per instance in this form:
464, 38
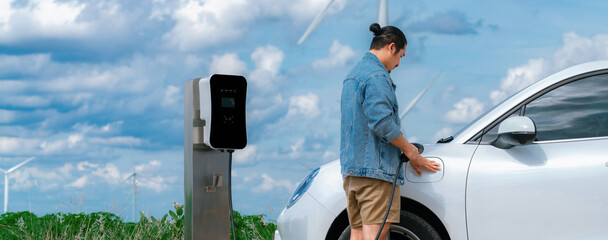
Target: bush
103, 225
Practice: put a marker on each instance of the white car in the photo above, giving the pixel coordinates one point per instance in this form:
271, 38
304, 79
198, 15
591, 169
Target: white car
533, 167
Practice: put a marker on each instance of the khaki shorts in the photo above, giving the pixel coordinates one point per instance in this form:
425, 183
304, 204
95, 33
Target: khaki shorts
368, 199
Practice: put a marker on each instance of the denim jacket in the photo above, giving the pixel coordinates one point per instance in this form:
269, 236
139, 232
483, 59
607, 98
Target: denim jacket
369, 122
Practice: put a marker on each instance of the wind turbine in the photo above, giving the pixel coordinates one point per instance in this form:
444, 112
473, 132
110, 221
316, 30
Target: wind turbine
133, 183
6, 173
382, 17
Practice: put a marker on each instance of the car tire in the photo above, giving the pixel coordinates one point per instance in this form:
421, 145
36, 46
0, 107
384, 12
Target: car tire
411, 226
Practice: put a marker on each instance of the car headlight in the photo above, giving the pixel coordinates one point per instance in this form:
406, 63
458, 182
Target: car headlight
304, 185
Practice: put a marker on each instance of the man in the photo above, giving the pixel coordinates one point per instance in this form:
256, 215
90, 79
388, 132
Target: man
371, 138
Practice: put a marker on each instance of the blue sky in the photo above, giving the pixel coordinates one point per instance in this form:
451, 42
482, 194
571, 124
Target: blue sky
94, 89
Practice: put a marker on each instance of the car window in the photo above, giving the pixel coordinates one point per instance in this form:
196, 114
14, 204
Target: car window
576, 110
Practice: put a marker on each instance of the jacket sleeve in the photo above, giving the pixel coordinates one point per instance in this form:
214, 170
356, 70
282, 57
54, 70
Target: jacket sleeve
379, 110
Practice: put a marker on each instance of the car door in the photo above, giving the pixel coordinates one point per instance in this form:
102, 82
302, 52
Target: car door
556, 187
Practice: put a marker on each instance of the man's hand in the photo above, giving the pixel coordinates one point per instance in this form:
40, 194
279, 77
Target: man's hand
416, 161
419, 161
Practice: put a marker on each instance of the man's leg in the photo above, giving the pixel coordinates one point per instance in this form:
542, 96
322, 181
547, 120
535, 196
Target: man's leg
371, 230
356, 233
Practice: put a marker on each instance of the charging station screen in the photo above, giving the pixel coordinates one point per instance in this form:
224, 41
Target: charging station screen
228, 102
228, 95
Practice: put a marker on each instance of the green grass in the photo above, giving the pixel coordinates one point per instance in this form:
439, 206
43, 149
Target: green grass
103, 225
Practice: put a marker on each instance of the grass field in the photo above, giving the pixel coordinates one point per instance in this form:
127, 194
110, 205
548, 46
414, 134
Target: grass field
103, 225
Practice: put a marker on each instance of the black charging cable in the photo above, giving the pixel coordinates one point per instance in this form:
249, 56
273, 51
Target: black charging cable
230, 192
402, 159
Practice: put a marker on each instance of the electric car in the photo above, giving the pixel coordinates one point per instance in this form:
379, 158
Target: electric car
533, 167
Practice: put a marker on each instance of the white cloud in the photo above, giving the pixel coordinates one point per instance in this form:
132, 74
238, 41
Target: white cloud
268, 60
41, 18
16, 145
109, 173
33, 177
518, 78
576, 50
6, 116
152, 165
204, 23
269, 184
444, 132
116, 141
79, 183
172, 95
305, 105
86, 166
338, 56
156, 183
246, 155
27, 64
464, 111
228, 63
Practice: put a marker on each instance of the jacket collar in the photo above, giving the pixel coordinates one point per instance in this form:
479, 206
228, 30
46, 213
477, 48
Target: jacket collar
373, 58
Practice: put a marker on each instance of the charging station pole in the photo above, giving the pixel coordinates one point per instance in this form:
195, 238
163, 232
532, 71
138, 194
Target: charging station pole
214, 126
206, 208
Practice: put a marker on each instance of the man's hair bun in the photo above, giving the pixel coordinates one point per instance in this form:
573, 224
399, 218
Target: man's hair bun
376, 29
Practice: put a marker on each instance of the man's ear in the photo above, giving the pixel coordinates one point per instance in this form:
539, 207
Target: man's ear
392, 48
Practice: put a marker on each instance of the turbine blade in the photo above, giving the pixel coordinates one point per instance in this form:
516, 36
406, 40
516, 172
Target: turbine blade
19, 165
383, 13
415, 100
130, 176
315, 22
2, 170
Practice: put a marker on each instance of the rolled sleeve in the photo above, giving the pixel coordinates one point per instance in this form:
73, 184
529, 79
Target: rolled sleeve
379, 111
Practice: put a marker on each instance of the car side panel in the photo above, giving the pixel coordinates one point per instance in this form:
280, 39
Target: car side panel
445, 198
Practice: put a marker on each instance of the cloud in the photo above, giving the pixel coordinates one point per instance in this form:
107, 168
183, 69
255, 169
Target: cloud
268, 60
464, 111
451, 22
200, 24
338, 56
228, 63
79, 183
7, 116
518, 78
29, 177
246, 155
172, 95
204, 23
269, 184
575, 50
147, 167
25, 64
443, 133
304, 105
40, 18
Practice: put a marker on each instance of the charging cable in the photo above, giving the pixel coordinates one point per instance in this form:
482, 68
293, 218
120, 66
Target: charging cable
402, 159
230, 192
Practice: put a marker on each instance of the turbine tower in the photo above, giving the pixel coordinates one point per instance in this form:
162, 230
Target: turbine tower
133, 184
382, 17
6, 173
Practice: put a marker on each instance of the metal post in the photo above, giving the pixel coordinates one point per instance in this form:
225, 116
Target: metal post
206, 207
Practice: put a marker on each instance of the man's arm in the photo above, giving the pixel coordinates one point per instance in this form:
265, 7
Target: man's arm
416, 160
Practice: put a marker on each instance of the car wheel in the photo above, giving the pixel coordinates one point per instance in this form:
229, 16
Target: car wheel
411, 227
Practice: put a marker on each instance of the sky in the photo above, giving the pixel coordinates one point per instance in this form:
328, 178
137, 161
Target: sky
94, 88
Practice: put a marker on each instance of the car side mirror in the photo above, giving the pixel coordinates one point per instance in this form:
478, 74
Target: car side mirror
515, 131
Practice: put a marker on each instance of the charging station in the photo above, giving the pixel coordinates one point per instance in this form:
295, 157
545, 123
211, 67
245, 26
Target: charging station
214, 126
